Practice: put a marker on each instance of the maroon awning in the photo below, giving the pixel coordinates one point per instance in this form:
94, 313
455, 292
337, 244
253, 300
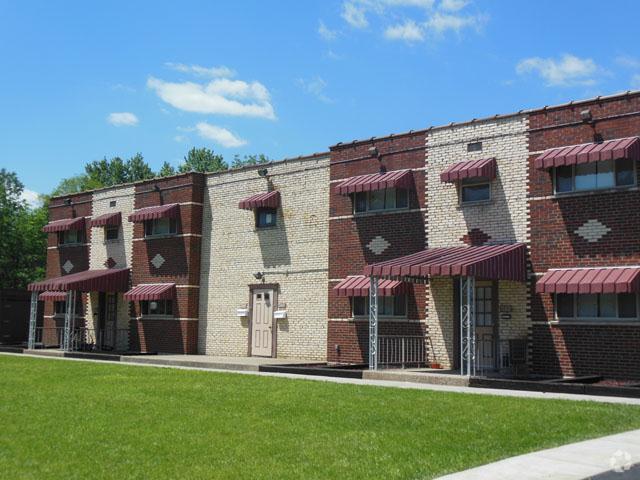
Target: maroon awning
64, 225
151, 291
590, 280
53, 296
590, 152
485, 168
171, 210
261, 200
376, 181
358, 286
111, 219
495, 262
112, 280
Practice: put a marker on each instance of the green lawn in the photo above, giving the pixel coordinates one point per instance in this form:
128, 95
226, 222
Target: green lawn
61, 419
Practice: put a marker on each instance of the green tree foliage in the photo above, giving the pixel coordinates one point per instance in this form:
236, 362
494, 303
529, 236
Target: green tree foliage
22, 243
202, 160
75, 184
138, 169
116, 171
166, 170
247, 160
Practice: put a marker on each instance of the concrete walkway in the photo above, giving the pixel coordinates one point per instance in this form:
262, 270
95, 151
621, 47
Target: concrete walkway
233, 364
611, 457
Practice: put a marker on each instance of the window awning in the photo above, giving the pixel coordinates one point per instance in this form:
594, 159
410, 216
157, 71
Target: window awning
53, 296
590, 280
590, 152
358, 286
485, 168
261, 200
64, 225
490, 262
112, 280
151, 291
376, 181
171, 210
111, 219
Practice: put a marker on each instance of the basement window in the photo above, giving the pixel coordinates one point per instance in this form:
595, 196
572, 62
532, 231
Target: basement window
596, 306
595, 176
156, 308
160, 226
377, 200
392, 306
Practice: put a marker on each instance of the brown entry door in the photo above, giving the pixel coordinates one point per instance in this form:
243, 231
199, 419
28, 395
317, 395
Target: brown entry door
108, 315
485, 339
262, 323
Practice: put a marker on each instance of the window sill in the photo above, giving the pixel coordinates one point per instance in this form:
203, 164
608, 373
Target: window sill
599, 323
262, 229
370, 213
586, 193
384, 318
159, 237
71, 245
111, 242
156, 317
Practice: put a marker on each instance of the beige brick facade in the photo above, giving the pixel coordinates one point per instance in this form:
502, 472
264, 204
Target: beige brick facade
293, 255
503, 219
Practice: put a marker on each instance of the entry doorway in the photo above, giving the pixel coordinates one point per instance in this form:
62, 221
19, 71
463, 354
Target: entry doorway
107, 320
262, 332
486, 325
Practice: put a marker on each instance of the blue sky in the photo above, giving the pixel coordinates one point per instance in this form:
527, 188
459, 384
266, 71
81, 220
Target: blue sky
84, 80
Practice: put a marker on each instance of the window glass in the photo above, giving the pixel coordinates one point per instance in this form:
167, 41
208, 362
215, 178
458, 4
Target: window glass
265, 217
564, 179
161, 226
360, 202
627, 305
624, 172
376, 199
69, 237
586, 176
402, 198
111, 232
157, 307
387, 306
588, 305
608, 305
564, 305
605, 177
390, 198
359, 306
400, 305
476, 193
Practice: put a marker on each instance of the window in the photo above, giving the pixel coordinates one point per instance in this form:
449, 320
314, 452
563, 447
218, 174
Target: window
386, 199
112, 203
160, 226
60, 307
597, 306
266, 217
111, 232
475, 191
595, 176
157, 307
70, 237
394, 306
474, 147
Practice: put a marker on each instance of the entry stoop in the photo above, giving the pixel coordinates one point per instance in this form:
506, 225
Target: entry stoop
416, 376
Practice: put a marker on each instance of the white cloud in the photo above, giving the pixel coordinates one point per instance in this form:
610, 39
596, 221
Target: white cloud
453, 5
439, 23
316, 87
200, 71
567, 71
627, 61
220, 135
122, 119
221, 96
325, 32
32, 198
635, 81
408, 31
354, 14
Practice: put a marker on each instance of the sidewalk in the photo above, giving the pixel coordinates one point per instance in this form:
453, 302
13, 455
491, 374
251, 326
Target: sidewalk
606, 458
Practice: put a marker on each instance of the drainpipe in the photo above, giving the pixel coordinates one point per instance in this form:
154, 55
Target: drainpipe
33, 318
373, 323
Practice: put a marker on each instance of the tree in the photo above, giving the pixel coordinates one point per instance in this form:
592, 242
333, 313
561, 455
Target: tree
202, 160
138, 169
76, 184
166, 170
239, 162
22, 243
106, 173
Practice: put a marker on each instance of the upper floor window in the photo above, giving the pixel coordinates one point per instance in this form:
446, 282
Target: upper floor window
70, 237
266, 217
376, 200
160, 226
157, 307
111, 232
475, 190
391, 306
597, 306
595, 175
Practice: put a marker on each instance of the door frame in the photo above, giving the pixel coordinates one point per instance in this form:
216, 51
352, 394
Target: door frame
103, 306
274, 287
495, 318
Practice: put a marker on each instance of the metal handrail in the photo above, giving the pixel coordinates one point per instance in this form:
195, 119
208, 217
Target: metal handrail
402, 350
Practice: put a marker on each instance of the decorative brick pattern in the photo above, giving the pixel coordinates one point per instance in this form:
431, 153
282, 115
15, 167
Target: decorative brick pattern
475, 237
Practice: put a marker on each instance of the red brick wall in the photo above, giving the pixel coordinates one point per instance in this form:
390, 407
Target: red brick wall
348, 238
581, 349
164, 336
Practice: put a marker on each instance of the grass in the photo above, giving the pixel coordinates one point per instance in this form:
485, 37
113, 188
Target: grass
61, 419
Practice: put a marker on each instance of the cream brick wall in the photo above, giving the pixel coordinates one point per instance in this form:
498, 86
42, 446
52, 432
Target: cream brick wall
120, 250
504, 218
293, 255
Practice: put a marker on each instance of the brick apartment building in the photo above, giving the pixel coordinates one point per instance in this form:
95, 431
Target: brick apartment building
501, 242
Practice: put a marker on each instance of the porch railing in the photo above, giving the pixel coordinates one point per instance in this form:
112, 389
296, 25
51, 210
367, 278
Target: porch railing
91, 339
49, 337
402, 351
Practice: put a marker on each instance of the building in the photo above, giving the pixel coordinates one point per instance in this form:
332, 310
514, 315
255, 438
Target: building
502, 244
